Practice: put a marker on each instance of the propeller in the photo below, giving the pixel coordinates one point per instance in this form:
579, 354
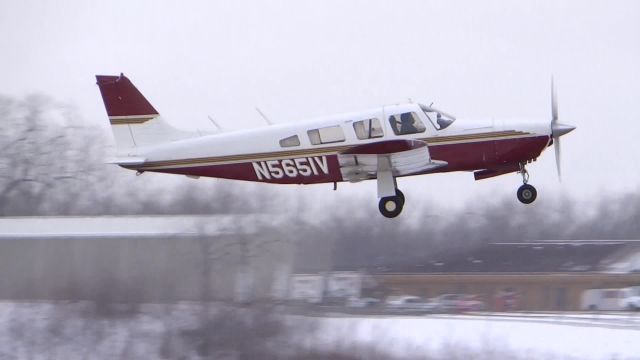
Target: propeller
557, 129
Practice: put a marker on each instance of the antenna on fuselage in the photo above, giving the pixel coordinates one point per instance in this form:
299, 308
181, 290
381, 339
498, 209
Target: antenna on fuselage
264, 116
214, 123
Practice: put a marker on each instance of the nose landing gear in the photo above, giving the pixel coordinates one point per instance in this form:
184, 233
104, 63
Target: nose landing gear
526, 193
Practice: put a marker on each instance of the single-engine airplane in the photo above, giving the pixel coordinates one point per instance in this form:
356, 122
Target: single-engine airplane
382, 143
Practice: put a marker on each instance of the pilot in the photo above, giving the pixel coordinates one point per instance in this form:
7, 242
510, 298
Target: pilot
441, 122
407, 124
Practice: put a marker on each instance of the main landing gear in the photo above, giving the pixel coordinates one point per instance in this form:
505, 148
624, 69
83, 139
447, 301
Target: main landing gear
391, 206
391, 199
526, 193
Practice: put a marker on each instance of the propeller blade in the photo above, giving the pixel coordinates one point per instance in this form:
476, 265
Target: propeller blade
556, 148
554, 104
557, 129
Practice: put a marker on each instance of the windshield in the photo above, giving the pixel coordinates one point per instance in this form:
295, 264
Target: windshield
439, 119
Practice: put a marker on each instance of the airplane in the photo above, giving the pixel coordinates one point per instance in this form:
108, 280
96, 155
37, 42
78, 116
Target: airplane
382, 143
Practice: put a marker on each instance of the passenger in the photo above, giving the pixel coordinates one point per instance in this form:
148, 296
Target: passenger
407, 124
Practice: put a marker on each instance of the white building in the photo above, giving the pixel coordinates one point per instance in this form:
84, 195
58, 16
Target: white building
344, 284
314, 288
307, 287
144, 258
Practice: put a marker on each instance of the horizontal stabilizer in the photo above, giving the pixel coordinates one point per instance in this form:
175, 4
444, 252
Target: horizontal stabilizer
127, 161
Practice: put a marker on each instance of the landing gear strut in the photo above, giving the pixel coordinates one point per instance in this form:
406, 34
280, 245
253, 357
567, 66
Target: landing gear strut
526, 193
391, 206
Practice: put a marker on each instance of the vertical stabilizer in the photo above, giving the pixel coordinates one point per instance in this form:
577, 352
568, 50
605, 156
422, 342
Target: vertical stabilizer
134, 121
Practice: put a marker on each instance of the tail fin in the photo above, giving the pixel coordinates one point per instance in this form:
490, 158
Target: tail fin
134, 121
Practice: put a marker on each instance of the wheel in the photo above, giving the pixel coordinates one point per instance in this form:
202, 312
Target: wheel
400, 195
391, 206
527, 194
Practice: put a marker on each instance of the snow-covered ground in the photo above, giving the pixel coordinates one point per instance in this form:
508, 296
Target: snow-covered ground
77, 330
535, 336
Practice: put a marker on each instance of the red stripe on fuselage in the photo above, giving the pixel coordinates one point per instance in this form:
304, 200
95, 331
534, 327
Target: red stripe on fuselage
301, 170
460, 157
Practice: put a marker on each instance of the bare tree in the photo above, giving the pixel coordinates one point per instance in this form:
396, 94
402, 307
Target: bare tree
53, 164
46, 159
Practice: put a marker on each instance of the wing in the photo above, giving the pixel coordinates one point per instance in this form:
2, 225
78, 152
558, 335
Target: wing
385, 160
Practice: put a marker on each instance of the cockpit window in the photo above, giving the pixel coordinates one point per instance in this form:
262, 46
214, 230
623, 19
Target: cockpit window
406, 123
290, 141
439, 119
368, 129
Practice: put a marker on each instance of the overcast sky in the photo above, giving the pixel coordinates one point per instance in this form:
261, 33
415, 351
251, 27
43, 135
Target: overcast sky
300, 59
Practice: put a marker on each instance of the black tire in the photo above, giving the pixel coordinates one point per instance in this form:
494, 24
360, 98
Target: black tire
400, 195
527, 194
390, 206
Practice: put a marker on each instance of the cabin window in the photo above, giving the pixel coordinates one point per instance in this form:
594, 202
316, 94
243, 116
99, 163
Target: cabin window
290, 141
326, 135
368, 129
406, 123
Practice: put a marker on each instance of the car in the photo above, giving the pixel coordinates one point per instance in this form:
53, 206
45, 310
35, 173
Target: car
354, 302
472, 302
633, 299
611, 299
450, 302
411, 304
